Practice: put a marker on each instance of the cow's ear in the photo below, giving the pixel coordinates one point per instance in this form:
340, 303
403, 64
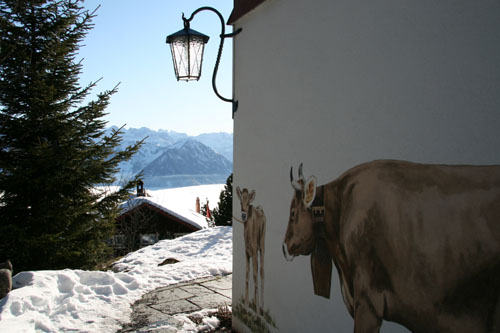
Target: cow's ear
310, 191
238, 192
252, 196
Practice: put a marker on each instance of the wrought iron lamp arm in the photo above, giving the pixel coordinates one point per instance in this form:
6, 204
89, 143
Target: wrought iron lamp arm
223, 35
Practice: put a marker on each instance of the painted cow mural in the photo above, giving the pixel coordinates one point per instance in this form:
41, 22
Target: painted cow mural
416, 244
254, 232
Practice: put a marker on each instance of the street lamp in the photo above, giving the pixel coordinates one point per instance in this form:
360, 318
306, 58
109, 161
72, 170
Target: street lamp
187, 47
187, 52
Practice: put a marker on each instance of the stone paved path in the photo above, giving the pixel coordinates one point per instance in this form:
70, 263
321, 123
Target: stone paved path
158, 306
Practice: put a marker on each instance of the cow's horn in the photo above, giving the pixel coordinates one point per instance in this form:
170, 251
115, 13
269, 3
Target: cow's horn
301, 175
296, 186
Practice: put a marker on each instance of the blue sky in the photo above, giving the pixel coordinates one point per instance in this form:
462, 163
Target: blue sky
127, 45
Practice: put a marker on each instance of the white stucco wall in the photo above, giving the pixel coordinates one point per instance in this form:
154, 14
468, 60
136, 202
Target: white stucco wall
334, 83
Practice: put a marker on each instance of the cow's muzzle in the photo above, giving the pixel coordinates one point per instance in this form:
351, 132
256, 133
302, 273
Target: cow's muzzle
287, 255
244, 216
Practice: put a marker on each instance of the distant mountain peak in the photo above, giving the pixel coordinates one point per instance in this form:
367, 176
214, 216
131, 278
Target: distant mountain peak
168, 155
188, 157
191, 143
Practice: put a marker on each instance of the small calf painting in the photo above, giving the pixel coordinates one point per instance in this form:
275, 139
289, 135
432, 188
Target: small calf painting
254, 224
415, 244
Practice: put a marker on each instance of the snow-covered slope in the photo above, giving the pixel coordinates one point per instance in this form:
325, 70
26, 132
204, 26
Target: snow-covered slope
188, 157
154, 144
93, 301
220, 142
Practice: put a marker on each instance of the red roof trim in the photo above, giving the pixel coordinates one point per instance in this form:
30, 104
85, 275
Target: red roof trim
160, 211
242, 7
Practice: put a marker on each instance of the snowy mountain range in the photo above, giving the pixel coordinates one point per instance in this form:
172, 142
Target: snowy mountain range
171, 159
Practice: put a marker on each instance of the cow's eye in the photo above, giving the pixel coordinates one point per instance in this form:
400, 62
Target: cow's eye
292, 214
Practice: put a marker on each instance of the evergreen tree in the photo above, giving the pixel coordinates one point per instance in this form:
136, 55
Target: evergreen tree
223, 214
53, 148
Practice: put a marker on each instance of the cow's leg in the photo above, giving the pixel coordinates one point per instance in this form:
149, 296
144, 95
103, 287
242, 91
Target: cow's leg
261, 281
365, 319
247, 276
255, 268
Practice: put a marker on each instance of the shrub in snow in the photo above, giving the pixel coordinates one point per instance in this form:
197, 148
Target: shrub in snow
5, 279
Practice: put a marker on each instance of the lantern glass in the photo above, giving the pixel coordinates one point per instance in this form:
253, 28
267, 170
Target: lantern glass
187, 48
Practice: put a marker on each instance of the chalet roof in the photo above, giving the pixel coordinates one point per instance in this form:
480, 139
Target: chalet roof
189, 217
242, 7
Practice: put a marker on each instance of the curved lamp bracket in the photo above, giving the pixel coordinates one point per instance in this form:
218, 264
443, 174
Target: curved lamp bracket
223, 35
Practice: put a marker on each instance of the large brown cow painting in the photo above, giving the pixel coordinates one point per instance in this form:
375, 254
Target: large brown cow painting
415, 244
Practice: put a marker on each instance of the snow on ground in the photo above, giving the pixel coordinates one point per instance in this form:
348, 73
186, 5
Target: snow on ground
94, 301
